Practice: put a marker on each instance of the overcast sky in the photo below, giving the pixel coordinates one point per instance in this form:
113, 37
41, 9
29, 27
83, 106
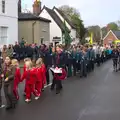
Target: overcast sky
93, 12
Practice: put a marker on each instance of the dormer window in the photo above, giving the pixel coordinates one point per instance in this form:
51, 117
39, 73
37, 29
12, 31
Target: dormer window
3, 6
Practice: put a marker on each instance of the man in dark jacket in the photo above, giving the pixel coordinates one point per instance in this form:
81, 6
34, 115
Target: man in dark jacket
115, 55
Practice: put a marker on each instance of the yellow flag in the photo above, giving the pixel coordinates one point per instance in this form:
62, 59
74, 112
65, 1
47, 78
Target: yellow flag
91, 39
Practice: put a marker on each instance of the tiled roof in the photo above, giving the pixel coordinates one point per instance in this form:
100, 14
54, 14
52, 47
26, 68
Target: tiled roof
65, 17
30, 16
117, 33
56, 18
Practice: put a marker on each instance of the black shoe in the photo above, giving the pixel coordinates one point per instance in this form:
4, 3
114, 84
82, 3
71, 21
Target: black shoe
57, 92
9, 107
61, 88
14, 106
42, 90
51, 88
85, 75
24, 94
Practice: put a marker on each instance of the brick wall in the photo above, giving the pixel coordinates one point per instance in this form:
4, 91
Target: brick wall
110, 37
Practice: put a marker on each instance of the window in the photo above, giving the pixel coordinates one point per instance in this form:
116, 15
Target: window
3, 35
3, 6
42, 39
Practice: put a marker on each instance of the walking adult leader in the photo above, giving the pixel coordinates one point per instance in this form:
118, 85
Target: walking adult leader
8, 75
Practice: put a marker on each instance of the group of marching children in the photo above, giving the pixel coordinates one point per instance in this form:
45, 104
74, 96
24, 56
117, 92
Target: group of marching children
35, 78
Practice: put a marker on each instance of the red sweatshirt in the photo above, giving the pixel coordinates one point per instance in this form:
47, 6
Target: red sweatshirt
43, 73
30, 76
39, 74
17, 77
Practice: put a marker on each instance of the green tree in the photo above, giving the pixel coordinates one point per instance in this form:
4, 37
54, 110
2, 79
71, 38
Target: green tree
104, 31
96, 30
69, 11
113, 26
74, 16
67, 38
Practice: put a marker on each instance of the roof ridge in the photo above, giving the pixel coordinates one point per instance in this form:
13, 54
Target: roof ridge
56, 18
65, 17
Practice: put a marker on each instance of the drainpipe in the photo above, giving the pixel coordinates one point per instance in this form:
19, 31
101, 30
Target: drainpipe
33, 24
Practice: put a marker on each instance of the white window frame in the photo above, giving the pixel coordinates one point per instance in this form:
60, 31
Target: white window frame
3, 35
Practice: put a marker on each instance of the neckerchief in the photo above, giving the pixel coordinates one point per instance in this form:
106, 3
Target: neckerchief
58, 59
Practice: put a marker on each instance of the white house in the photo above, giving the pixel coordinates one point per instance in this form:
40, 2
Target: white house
69, 24
8, 21
57, 27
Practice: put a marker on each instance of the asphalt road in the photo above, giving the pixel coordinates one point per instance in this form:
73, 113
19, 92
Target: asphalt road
96, 97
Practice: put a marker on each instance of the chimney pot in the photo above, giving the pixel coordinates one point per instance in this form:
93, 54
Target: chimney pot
36, 7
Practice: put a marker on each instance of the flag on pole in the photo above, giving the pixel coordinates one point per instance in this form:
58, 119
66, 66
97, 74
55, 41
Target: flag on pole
91, 39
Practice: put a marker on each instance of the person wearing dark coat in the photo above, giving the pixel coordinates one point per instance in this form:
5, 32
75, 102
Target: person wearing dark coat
29, 52
8, 73
84, 62
68, 57
115, 55
60, 63
74, 61
92, 58
16, 51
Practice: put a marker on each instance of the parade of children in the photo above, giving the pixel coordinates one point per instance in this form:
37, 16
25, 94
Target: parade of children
60, 62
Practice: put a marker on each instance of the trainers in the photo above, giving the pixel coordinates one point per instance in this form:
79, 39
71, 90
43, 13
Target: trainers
36, 98
27, 100
2, 106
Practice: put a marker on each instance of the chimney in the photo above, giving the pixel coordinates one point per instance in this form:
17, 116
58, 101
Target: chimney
19, 6
37, 7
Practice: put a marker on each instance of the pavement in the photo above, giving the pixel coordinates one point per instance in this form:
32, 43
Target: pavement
96, 97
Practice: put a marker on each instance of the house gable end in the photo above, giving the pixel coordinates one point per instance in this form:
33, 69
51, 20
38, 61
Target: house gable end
109, 38
47, 16
111, 33
62, 18
56, 18
55, 30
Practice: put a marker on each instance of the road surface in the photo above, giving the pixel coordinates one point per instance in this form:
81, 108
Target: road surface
96, 97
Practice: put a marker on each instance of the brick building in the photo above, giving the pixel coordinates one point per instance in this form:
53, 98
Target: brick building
110, 37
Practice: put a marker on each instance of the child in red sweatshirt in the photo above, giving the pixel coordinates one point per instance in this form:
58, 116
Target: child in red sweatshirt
43, 74
24, 70
39, 81
30, 77
17, 78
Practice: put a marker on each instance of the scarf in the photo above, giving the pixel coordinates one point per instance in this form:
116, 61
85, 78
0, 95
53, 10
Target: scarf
58, 59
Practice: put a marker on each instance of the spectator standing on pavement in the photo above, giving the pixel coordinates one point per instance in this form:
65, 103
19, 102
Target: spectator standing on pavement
4, 52
10, 51
1, 82
17, 78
